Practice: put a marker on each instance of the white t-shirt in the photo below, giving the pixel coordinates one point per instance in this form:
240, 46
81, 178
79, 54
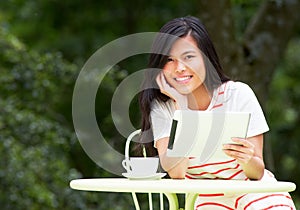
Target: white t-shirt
230, 96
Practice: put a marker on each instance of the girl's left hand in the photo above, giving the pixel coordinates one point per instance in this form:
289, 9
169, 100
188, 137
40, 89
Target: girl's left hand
165, 88
241, 150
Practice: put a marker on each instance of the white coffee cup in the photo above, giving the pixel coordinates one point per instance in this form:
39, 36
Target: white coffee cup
141, 166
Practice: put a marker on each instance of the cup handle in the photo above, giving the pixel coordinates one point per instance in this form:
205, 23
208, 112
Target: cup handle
126, 165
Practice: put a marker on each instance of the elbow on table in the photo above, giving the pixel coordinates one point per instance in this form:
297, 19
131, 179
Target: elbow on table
176, 167
177, 174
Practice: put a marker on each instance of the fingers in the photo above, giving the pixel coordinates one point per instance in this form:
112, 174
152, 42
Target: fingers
163, 85
241, 141
167, 89
239, 156
159, 80
241, 150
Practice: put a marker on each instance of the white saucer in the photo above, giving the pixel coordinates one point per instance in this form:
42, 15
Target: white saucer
137, 177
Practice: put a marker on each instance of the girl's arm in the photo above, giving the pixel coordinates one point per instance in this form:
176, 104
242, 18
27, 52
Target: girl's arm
176, 167
249, 153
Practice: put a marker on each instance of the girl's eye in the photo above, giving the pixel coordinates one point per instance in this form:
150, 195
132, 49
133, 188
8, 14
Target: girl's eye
170, 59
188, 57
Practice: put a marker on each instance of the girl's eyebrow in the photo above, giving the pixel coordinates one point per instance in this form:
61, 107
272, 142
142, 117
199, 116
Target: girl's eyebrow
189, 51
184, 53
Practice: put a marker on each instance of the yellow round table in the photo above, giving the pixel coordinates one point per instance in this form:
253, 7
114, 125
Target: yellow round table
171, 187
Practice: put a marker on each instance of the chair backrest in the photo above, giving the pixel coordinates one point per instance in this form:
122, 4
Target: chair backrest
130, 137
135, 200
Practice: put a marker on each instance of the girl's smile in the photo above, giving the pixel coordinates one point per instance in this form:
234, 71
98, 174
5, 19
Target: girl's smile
183, 79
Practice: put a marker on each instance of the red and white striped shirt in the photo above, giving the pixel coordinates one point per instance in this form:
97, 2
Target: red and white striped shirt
235, 97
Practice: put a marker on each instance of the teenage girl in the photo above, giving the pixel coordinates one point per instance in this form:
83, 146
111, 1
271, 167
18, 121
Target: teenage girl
190, 77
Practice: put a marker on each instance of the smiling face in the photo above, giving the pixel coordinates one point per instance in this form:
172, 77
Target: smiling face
185, 69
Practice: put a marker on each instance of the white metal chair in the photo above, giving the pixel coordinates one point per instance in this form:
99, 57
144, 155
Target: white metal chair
135, 200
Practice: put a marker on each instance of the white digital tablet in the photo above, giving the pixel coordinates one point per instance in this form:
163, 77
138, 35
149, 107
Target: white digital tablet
202, 133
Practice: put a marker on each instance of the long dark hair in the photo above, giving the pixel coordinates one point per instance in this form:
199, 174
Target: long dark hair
176, 28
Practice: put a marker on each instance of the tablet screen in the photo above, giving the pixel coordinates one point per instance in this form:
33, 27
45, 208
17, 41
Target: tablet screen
202, 133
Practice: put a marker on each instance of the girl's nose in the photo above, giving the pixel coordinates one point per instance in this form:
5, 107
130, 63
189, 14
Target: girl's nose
180, 67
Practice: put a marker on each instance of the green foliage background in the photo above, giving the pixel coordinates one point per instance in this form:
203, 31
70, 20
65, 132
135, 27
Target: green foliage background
43, 45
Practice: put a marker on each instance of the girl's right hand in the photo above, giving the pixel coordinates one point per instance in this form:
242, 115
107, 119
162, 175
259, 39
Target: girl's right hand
165, 88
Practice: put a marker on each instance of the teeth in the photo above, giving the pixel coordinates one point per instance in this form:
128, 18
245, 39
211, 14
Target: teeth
180, 79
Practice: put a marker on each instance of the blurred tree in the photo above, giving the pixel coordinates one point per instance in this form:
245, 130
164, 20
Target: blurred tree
250, 35
36, 142
78, 29
284, 116
251, 50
